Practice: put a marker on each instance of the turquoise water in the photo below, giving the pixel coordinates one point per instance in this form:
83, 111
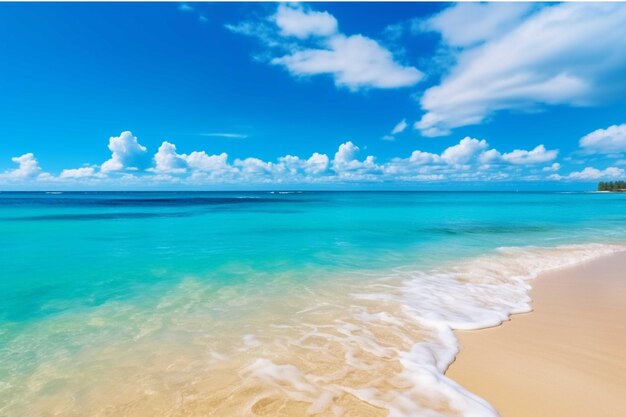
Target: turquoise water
226, 259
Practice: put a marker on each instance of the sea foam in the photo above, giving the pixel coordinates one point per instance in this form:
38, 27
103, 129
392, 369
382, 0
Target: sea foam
375, 344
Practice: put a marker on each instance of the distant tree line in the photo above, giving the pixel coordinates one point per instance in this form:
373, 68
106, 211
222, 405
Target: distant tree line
612, 186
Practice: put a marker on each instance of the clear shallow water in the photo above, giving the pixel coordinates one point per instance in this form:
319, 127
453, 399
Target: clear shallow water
266, 303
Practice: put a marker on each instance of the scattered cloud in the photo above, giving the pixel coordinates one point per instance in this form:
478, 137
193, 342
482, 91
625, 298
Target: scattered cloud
214, 164
184, 7
592, 174
28, 167
126, 154
167, 160
316, 164
462, 153
526, 59
84, 172
400, 127
355, 62
294, 20
469, 159
552, 168
539, 155
345, 160
397, 129
605, 141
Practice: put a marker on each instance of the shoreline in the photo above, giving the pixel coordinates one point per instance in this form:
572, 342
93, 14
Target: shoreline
566, 358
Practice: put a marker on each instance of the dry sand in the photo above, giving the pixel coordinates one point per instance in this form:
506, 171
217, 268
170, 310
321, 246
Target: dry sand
565, 359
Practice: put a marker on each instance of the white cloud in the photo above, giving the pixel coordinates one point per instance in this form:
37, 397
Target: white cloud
568, 54
354, 61
316, 164
185, 8
345, 159
538, 155
200, 161
589, 174
606, 141
126, 153
464, 151
552, 168
423, 158
466, 24
168, 161
490, 156
28, 167
84, 172
294, 20
468, 160
400, 127
258, 166
226, 135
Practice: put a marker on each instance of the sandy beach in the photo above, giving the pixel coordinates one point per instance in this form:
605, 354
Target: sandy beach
567, 358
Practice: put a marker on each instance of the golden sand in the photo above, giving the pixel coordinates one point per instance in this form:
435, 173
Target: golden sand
565, 359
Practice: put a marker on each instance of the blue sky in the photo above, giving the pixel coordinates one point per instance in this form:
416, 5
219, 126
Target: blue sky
321, 95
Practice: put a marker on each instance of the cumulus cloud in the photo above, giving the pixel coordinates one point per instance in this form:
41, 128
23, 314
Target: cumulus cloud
257, 166
168, 160
470, 159
605, 141
126, 154
563, 54
464, 151
353, 61
201, 161
552, 168
592, 174
316, 164
345, 159
84, 172
539, 155
28, 167
294, 20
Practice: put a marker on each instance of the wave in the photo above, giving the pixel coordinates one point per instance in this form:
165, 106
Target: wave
398, 341
142, 202
368, 344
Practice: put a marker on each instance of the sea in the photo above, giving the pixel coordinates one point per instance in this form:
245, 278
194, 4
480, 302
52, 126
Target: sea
270, 303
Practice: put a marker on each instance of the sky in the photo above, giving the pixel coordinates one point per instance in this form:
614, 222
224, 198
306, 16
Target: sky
312, 96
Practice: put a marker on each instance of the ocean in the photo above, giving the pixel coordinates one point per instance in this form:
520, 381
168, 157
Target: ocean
269, 303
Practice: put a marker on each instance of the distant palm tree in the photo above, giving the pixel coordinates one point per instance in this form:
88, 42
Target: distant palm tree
612, 186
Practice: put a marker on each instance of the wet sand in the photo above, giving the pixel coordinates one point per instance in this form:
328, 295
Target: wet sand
565, 359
